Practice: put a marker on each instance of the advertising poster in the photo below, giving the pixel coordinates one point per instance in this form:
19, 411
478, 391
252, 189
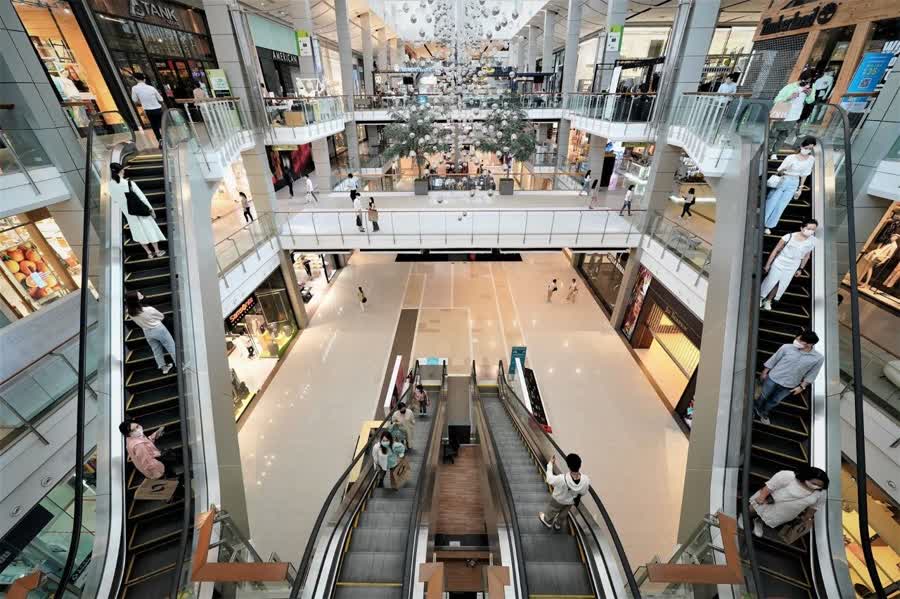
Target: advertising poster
218, 82
866, 79
638, 292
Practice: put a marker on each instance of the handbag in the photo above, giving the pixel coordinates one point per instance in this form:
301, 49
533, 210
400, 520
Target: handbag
773, 181
400, 474
358, 220
134, 204
790, 532
780, 110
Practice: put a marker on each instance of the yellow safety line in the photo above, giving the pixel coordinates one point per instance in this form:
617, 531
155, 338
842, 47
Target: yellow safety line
368, 584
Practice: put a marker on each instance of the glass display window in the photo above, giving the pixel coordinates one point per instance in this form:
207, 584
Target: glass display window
27, 269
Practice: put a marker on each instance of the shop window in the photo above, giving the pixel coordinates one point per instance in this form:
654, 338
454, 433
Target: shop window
119, 34
604, 273
828, 53
160, 40
670, 336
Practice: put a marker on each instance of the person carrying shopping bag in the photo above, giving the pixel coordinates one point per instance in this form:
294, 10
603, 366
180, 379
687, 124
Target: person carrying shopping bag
373, 215
387, 454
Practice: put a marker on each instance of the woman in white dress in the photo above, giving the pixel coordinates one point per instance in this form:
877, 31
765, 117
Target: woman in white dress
786, 261
144, 229
786, 496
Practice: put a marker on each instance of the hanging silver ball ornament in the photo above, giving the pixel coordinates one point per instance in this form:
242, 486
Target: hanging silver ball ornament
513, 137
504, 22
499, 153
512, 75
405, 7
421, 33
413, 19
428, 19
495, 11
515, 14
412, 153
489, 35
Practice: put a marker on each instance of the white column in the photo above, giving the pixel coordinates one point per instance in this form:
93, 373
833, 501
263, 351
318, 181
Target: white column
570, 65
365, 25
512, 53
549, 28
382, 49
596, 154
345, 51
531, 55
322, 160
301, 19
520, 53
616, 12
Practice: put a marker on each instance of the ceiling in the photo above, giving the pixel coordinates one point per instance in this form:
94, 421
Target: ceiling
645, 12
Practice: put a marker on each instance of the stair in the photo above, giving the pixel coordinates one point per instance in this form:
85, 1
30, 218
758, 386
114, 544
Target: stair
553, 563
153, 528
784, 443
372, 564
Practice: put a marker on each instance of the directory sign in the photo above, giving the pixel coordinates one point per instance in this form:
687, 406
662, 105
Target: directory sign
518, 351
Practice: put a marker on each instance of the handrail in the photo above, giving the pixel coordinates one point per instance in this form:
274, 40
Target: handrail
614, 535
80, 409
320, 519
207, 100
416, 514
507, 490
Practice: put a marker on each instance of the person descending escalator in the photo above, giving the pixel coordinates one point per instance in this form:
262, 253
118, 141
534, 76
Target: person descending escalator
786, 262
405, 420
790, 370
787, 497
567, 491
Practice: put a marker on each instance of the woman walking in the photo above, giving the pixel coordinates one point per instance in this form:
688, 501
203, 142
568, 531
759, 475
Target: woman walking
626, 204
151, 322
373, 215
361, 296
595, 194
138, 212
689, 200
586, 183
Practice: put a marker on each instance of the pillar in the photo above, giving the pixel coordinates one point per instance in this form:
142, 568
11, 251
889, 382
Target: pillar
570, 65
345, 51
382, 50
512, 52
531, 55
322, 160
520, 54
616, 12
365, 25
301, 19
596, 154
549, 28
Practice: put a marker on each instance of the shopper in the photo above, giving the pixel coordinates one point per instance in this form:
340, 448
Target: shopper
626, 203
287, 172
595, 194
689, 200
155, 332
310, 191
373, 215
420, 396
138, 212
573, 292
586, 184
405, 419
246, 205
788, 496
357, 207
792, 174
788, 107
144, 454
789, 371
199, 93
352, 182
386, 454
729, 86
567, 490
149, 98
786, 261
363, 300
551, 289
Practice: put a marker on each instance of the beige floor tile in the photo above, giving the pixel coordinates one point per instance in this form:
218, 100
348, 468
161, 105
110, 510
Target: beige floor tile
445, 333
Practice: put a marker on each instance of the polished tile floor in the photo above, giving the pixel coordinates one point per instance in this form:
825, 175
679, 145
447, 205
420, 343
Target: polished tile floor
598, 400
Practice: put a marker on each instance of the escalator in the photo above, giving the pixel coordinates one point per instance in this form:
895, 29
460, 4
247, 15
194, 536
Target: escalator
153, 528
366, 542
372, 566
554, 565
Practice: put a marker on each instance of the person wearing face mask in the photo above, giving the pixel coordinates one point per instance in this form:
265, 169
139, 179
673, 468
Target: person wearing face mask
788, 495
151, 322
420, 397
138, 212
567, 490
786, 261
386, 454
789, 371
142, 450
405, 420
793, 172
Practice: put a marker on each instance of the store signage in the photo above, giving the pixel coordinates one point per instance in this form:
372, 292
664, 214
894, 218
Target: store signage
866, 79
285, 57
518, 352
241, 310
218, 82
820, 15
142, 9
614, 38
304, 43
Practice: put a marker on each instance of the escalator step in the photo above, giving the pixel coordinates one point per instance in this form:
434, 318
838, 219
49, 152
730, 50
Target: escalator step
150, 562
155, 587
149, 376
139, 262
147, 399
779, 447
372, 566
406, 492
787, 566
155, 529
368, 592
380, 504
550, 546
392, 540
150, 276
556, 579
383, 520
141, 508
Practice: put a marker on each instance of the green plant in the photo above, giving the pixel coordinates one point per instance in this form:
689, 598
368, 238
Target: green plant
415, 134
507, 131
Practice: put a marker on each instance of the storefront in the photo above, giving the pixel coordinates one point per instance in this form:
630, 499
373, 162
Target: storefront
665, 336
280, 71
603, 273
314, 273
257, 333
166, 41
38, 268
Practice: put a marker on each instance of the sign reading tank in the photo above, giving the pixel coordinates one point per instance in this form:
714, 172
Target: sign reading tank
820, 14
142, 9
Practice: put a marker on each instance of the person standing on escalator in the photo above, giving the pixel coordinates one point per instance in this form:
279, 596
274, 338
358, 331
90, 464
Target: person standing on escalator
405, 420
386, 454
791, 175
567, 491
789, 371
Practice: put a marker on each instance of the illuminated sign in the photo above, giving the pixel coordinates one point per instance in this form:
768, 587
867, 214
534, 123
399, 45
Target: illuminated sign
241, 310
142, 9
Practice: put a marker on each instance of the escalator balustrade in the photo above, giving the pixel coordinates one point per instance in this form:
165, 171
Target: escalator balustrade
375, 548
554, 564
152, 527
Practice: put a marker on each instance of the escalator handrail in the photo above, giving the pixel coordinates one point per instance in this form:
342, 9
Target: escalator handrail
416, 514
168, 145
507, 490
320, 519
614, 535
78, 514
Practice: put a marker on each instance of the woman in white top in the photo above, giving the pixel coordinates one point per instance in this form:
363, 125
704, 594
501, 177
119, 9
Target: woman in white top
586, 184
144, 229
626, 204
793, 172
786, 496
151, 322
786, 261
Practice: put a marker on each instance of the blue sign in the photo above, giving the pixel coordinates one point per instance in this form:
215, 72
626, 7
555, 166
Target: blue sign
866, 79
518, 351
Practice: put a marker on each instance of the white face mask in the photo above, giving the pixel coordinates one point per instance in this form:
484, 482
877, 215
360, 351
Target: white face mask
806, 151
140, 296
137, 431
385, 442
799, 344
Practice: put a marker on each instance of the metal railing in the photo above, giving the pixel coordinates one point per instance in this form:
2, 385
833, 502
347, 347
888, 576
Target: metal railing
620, 108
217, 124
467, 102
691, 249
299, 112
232, 250
20, 150
460, 228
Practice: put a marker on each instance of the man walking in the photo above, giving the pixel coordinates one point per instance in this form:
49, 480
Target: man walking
151, 101
567, 491
551, 289
789, 371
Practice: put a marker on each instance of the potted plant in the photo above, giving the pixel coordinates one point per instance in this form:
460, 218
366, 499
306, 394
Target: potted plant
508, 135
414, 134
